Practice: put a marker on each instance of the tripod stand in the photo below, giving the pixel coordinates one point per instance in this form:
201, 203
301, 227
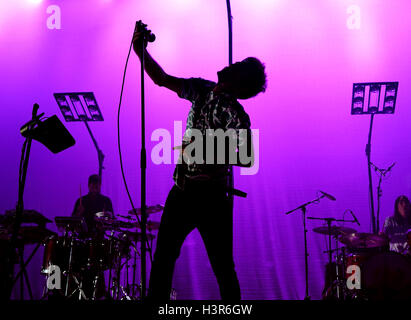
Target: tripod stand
303, 209
56, 138
333, 231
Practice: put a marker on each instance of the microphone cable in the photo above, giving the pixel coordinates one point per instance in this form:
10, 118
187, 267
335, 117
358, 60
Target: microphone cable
119, 148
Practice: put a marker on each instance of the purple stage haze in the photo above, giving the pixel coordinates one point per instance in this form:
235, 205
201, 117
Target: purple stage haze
313, 51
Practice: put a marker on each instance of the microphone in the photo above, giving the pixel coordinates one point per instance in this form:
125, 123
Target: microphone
35, 109
390, 167
35, 120
328, 196
355, 218
148, 35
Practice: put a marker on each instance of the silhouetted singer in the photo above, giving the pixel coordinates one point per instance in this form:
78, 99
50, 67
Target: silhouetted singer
198, 198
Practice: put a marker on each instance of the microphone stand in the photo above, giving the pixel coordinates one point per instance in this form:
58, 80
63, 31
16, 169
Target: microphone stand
100, 154
230, 62
24, 162
143, 166
368, 154
303, 209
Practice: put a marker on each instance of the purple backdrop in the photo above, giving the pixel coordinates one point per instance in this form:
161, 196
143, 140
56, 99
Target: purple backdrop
308, 139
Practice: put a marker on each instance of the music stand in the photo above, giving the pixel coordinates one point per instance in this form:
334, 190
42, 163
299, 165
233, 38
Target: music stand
82, 106
373, 98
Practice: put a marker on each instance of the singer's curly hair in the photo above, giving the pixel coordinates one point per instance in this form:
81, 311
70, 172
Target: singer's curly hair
248, 77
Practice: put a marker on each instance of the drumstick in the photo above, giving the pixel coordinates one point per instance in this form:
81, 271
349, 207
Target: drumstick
80, 196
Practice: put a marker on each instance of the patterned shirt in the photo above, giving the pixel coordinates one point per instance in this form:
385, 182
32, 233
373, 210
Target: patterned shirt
208, 111
397, 234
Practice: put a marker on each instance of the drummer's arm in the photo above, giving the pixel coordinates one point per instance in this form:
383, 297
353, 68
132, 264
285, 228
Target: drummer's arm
110, 207
78, 209
387, 229
75, 210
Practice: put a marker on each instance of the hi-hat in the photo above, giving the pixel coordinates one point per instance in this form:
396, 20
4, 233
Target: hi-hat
149, 209
135, 236
334, 230
151, 225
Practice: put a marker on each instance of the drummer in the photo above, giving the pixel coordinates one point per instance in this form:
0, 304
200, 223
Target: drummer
92, 203
397, 225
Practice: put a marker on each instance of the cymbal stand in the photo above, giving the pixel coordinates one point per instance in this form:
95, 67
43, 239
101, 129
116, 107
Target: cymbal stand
110, 266
69, 274
125, 288
329, 221
120, 293
127, 281
99, 276
135, 286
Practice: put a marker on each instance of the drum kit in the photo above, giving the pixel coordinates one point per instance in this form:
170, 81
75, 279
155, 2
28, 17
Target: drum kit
77, 265
365, 259
84, 261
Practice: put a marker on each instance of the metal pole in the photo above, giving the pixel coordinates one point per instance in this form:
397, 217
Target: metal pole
100, 154
20, 204
368, 153
230, 62
304, 210
143, 165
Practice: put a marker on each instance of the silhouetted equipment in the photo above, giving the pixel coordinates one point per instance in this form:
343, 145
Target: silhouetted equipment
51, 133
303, 209
56, 138
373, 98
82, 106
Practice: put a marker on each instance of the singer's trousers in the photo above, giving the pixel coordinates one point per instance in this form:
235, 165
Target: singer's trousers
204, 206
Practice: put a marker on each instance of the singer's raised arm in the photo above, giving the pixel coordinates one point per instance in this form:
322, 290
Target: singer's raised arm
154, 70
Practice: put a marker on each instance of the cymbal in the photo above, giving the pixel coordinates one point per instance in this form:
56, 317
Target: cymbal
124, 224
363, 240
149, 209
335, 231
151, 225
76, 224
105, 217
135, 236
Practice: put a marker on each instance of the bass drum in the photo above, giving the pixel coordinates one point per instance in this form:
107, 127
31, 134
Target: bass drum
57, 252
387, 276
